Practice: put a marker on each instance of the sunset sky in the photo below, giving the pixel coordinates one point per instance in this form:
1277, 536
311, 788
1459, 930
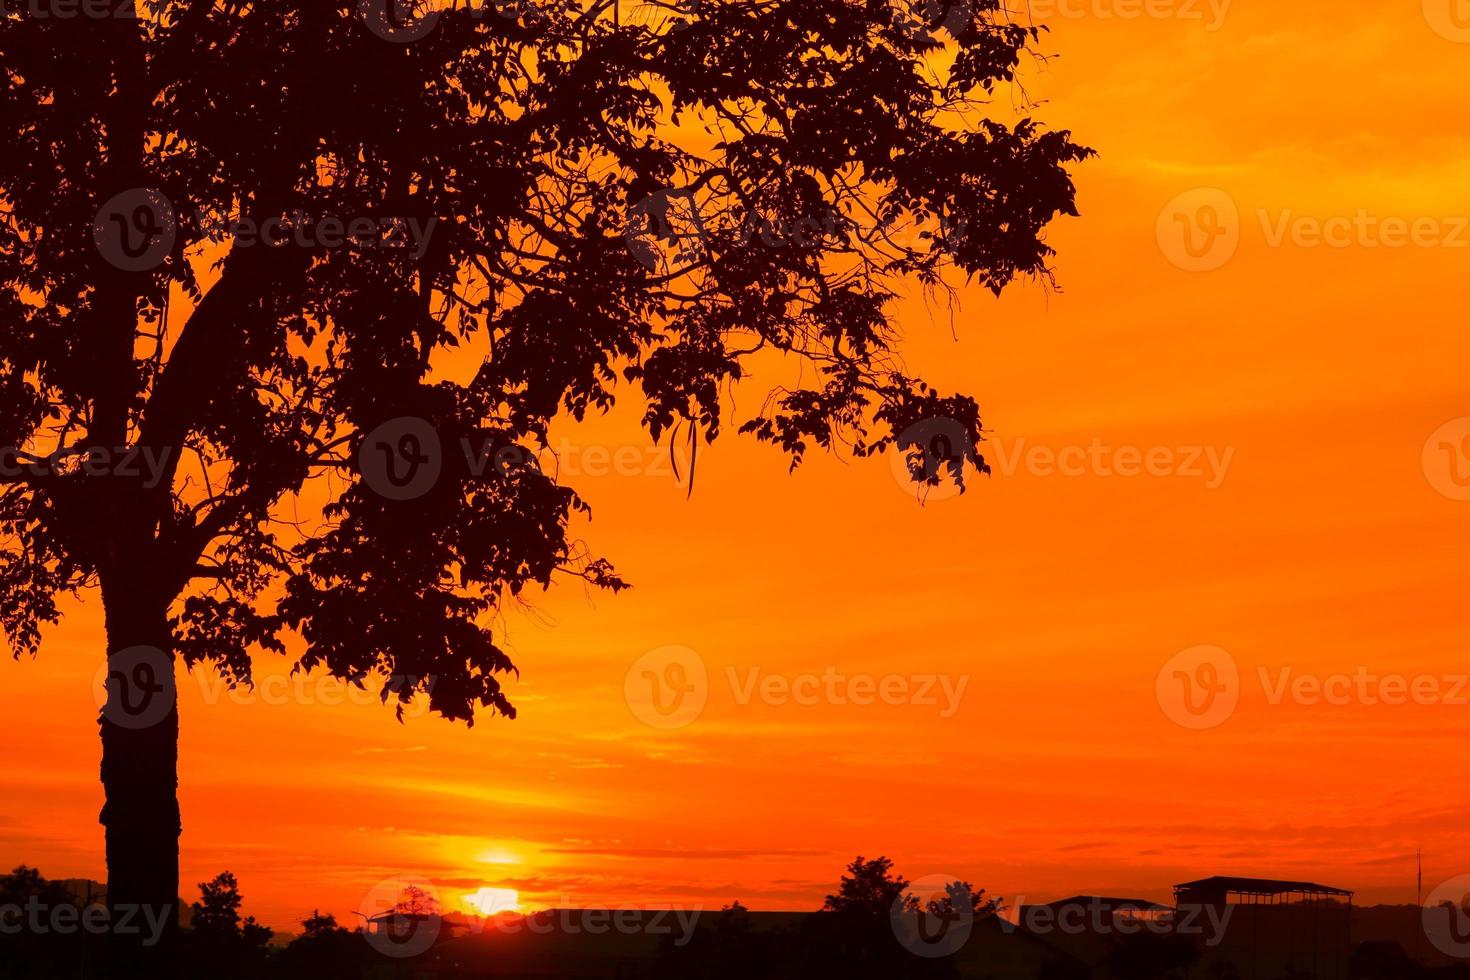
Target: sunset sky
1296, 514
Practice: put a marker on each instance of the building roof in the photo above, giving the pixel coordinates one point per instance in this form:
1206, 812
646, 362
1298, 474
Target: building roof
403, 914
1106, 901
1259, 886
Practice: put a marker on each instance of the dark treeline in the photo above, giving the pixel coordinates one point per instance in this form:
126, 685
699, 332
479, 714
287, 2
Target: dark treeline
48, 931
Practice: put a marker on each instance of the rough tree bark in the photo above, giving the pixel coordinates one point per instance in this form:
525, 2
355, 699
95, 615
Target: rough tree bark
140, 751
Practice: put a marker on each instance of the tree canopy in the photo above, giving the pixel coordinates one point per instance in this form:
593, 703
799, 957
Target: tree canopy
237, 236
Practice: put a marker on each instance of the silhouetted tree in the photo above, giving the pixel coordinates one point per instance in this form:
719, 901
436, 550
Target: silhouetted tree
416, 901
223, 944
961, 897
855, 935
43, 934
869, 888
180, 409
318, 926
25, 884
323, 951
217, 913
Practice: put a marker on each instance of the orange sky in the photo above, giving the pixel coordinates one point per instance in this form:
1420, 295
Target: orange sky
1317, 372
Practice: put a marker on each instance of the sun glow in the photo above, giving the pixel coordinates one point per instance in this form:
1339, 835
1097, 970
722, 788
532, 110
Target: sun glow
497, 855
492, 901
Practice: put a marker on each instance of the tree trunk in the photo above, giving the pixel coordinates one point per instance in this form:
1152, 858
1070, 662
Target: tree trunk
140, 754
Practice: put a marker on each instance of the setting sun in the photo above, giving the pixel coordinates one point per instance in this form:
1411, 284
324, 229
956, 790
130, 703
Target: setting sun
493, 901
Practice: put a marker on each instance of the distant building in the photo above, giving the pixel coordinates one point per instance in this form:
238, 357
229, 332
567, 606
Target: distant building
1085, 927
406, 928
1255, 891
1266, 929
1092, 910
